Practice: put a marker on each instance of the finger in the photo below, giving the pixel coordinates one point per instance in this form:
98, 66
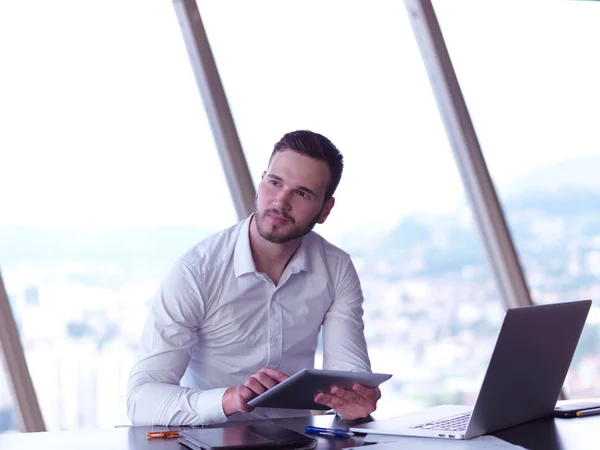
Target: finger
367, 392
275, 374
255, 386
243, 396
332, 401
265, 380
348, 395
244, 393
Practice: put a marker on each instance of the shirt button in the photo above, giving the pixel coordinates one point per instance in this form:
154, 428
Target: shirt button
274, 340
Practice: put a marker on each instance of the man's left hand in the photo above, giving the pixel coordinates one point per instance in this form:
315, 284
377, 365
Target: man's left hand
351, 404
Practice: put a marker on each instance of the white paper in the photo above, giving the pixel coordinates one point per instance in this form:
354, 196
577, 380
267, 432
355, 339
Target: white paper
390, 442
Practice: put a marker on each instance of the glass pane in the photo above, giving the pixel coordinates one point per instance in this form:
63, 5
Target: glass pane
8, 414
109, 173
534, 97
355, 74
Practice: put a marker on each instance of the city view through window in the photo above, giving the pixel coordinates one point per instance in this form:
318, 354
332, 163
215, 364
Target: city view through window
535, 104
110, 173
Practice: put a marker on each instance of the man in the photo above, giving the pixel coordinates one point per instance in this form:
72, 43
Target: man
243, 309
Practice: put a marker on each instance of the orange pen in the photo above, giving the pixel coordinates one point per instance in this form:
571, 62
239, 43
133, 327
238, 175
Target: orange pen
162, 434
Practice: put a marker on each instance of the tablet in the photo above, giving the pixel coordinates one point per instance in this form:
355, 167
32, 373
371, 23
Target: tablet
257, 437
299, 390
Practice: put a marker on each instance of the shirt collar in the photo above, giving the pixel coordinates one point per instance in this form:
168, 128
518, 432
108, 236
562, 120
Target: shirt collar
242, 255
300, 262
243, 262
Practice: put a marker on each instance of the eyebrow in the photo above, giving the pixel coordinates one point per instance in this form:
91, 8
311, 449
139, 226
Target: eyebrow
301, 188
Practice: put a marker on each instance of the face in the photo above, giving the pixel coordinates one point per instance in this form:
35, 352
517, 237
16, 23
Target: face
290, 197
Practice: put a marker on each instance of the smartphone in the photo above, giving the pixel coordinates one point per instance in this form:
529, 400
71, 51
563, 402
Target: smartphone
572, 409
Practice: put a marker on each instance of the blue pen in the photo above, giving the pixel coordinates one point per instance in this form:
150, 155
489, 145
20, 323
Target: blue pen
328, 431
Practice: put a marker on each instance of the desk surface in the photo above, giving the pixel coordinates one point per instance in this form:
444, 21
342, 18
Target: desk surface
546, 434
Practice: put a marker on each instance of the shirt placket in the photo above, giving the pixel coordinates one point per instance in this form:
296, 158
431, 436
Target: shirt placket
275, 331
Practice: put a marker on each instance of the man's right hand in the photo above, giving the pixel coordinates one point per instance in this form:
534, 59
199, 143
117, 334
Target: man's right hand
236, 398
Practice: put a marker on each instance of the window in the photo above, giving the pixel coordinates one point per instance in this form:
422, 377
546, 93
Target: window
109, 173
8, 418
535, 101
354, 73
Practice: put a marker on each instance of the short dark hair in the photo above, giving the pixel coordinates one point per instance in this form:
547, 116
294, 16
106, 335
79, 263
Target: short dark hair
318, 147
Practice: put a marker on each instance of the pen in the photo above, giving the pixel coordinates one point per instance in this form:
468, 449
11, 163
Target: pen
328, 431
162, 434
588, 412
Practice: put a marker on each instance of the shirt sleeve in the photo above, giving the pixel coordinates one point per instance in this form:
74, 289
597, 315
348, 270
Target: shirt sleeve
154, 396
344, 344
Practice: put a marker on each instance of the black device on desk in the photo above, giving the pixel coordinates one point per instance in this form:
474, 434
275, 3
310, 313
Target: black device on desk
579, 409
245, 437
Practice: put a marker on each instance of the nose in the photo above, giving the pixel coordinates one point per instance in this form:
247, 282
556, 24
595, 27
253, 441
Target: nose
282, 200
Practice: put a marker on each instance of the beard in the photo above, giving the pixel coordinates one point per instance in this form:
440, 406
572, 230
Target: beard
273, 233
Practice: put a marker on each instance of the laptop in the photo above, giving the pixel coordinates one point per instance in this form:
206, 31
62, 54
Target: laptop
523, 380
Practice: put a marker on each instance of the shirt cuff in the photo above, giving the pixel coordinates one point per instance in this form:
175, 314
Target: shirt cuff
209, 406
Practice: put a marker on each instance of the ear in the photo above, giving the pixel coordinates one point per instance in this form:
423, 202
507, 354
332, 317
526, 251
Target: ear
327, 207
262, 177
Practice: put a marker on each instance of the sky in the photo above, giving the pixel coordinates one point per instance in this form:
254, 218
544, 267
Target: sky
101, 120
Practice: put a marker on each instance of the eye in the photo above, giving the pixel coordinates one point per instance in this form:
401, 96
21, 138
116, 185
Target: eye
274, 182
302, 194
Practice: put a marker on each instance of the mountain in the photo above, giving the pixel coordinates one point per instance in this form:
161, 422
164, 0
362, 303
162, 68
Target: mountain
426, 245
554, 209
101, 243
106, 257
578, 172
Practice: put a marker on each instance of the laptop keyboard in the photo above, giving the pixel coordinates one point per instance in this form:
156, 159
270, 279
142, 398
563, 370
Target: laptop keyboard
454, 423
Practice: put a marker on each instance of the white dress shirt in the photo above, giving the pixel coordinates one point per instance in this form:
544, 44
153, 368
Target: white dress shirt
215, 321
